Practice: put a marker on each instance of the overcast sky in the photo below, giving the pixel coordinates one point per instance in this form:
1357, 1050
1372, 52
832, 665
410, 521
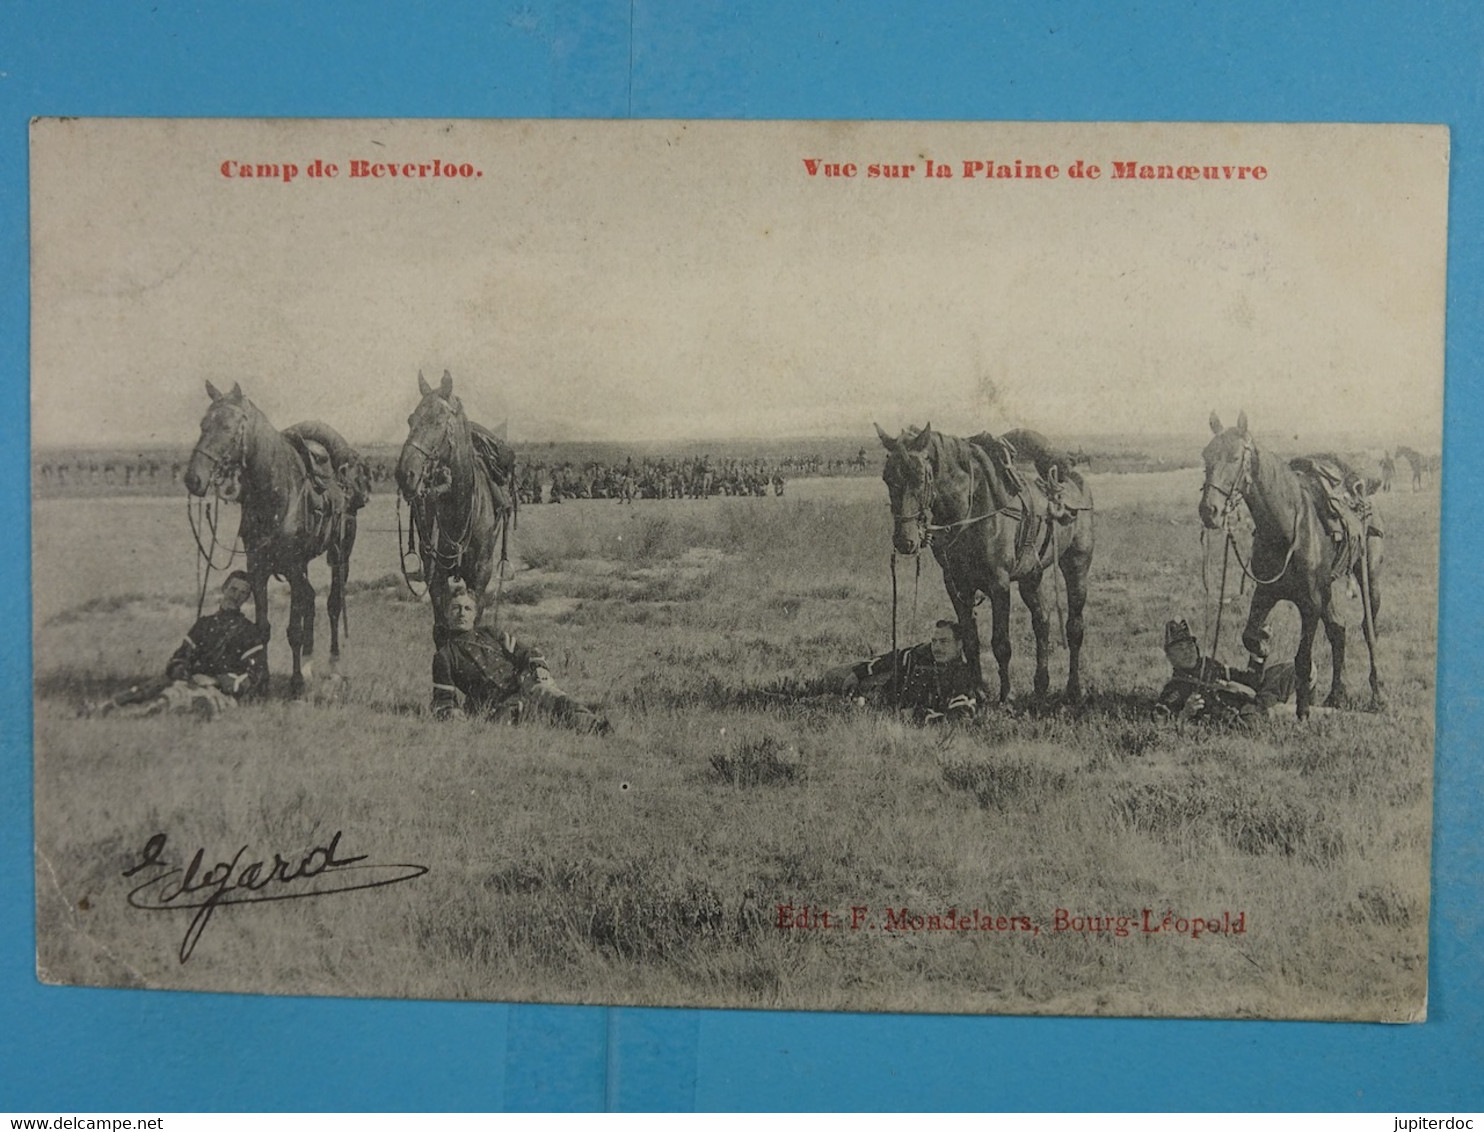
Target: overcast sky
651, 280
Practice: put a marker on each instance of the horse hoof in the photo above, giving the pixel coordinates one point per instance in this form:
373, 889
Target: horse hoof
1335, 700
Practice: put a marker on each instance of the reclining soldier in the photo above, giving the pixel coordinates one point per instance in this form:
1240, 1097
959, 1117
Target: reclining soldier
1206, 691
220, 663
933, 678
498, 677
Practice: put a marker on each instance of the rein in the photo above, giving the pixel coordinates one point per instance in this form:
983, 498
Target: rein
1233, 497
203, 514
1292, 546
927, 497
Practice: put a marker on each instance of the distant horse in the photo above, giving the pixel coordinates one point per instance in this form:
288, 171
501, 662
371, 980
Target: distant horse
290, 515
459, 481
1418, 463
948, 493
1293, 557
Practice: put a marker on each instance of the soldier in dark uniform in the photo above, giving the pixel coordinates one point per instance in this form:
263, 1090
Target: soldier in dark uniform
219, 663
1205, 690
933, 677
498, 677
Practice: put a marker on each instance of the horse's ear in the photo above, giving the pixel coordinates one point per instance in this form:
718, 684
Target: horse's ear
446, 386
236, 393
890, 443
1215, 423
1242, 422
922, 438
422, 385
213, 392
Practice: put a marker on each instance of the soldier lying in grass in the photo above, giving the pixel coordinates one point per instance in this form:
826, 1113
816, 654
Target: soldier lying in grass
1207, 691
220, 662
931, 681
498, 677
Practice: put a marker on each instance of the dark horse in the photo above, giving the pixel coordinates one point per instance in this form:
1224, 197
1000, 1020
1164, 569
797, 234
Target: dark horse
459, 481
290, 515
1293, 557
949, 493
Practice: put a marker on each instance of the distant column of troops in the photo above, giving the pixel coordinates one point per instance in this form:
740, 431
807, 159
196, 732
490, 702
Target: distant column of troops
649, 478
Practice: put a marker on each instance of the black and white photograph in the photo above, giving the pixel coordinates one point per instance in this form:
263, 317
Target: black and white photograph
961, 568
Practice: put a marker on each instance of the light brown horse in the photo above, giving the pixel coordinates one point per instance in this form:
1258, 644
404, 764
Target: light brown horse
1293, 557
947, 493
287, 519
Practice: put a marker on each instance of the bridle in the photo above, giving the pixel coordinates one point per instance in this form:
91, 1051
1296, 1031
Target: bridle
1235, 493
1232, 497
927, 496
233, 460
424, 519
436, 457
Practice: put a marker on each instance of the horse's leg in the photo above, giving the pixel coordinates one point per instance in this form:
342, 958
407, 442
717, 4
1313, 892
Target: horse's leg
301, 614
1030, 593
310, 615
963, 610
999, 637
1303, 661
438, 594
257, 574
1076, 562
338, 556
1334, 631
1255, 635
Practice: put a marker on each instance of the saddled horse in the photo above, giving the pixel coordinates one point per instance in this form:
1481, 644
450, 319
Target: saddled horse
459, 481
987, 534
1294, 557
291, 513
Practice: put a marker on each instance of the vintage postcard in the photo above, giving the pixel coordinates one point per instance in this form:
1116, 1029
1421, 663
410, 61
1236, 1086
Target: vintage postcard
949, 567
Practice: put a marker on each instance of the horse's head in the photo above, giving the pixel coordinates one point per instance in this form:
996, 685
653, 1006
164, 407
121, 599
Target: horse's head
422, 466
909, 477
218, 459
358, 483
1228, 459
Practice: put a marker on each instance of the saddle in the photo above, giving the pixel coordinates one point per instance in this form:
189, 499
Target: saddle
497, 459
1343, 504
329, 456
1055, 496
324, 502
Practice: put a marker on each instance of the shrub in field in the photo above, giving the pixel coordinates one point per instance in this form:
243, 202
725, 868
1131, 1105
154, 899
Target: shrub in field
755, 762
1383, 904
1252, 815
523, 593
382, 582
1007, 784
637, 909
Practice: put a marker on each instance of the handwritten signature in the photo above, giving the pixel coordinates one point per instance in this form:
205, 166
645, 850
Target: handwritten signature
320, 872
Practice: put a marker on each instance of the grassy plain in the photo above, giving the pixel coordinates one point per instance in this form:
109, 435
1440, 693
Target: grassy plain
648, 867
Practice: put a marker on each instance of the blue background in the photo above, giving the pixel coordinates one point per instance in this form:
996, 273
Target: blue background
81, 1050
